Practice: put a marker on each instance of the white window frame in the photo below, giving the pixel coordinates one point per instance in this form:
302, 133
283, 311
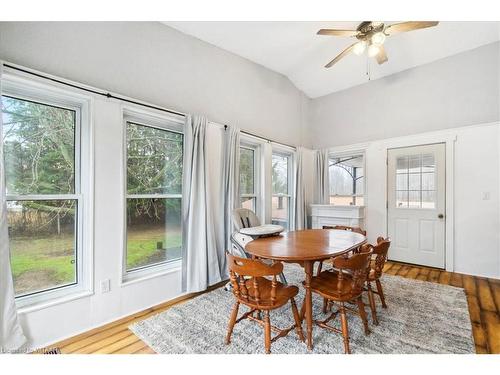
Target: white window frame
157, 120
246, 143
290, 154
18, 85
346, 155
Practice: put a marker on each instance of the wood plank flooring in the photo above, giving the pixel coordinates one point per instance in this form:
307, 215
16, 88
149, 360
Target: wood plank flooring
483, 296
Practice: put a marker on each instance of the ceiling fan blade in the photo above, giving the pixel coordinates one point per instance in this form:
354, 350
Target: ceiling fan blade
381, 56
340, 55
336, 32
409, 26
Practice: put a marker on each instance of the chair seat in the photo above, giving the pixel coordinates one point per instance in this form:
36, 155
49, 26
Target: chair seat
283, 293
327, 284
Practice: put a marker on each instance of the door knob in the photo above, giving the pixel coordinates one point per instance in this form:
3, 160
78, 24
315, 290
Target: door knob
440, 216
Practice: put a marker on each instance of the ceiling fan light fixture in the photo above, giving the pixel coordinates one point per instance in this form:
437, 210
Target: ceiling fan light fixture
359, 47
373, 50
378, 38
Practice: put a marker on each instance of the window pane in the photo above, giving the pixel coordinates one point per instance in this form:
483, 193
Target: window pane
280, 174
280, 211
247, 166
39, 147
402, 181
153, 231
42, 244
346, 179
248, 203
414, 199
414, 181
428, 181
154, 160
428, 199
428, 164
402, 164
401, 199
414, 164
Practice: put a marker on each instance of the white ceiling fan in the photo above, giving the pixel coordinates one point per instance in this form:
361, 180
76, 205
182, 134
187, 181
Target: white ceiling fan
371, 35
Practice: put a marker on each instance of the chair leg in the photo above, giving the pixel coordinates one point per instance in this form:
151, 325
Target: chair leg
267, 332
381, 293
345, 329
362, 314
371, 299
303, 310
298, 321
232, 321
325, 305
320, 266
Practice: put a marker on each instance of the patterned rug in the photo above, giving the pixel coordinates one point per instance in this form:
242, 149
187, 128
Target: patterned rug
421, 317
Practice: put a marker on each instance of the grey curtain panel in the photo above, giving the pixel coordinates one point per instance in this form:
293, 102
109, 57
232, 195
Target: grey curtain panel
300, 191
11, 333
202, 264
230, 180
322, 195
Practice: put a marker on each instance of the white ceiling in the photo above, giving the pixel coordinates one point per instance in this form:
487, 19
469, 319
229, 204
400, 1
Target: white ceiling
294, 49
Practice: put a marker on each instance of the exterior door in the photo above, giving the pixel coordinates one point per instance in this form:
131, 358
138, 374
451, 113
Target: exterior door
416, 204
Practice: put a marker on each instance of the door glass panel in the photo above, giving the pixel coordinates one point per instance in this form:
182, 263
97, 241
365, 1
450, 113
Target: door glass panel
414, 199
414, 164
428, 199
402, 181
428, 181
428, 163
402, 164
416, 181
401, 199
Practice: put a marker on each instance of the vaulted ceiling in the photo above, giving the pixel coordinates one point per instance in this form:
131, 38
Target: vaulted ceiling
294, 50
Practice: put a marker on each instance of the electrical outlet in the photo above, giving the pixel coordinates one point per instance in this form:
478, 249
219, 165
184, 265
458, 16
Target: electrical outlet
486, 196
105, 286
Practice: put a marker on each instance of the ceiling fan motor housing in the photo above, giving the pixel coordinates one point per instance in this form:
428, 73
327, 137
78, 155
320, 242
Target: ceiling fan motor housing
368, 28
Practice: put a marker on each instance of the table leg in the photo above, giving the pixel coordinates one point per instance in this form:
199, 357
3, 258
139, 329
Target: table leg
308, 268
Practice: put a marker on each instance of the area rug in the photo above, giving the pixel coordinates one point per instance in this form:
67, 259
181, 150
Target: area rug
421, 317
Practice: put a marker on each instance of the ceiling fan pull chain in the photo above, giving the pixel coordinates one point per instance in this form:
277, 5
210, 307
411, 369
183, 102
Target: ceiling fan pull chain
368, 71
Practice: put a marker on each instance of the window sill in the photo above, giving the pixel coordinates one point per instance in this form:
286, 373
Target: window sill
151, 273
26, 307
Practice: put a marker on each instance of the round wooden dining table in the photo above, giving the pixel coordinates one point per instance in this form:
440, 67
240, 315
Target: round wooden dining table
306, 247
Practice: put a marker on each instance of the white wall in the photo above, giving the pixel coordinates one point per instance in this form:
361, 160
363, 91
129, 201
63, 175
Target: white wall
456, 91
155, 63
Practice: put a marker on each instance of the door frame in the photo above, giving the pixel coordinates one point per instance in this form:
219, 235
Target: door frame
445, 190
421, 140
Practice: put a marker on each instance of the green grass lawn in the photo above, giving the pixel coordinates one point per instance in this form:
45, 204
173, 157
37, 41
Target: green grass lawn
143, 243
45, 262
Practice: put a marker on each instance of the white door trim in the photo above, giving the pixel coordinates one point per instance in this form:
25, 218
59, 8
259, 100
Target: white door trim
419, 140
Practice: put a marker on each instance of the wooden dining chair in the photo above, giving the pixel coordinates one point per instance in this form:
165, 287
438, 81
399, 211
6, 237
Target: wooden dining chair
341, 227
252, 289
379, 257
343, 287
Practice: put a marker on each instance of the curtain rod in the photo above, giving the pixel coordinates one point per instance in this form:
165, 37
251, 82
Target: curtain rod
102, 93
109, 95
263, 138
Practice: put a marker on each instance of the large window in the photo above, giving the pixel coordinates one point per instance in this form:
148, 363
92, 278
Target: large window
42, 167
248, 178
281, 189
347, 180
154, 195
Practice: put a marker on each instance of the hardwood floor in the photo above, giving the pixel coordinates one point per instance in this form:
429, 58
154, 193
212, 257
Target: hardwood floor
483, 296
